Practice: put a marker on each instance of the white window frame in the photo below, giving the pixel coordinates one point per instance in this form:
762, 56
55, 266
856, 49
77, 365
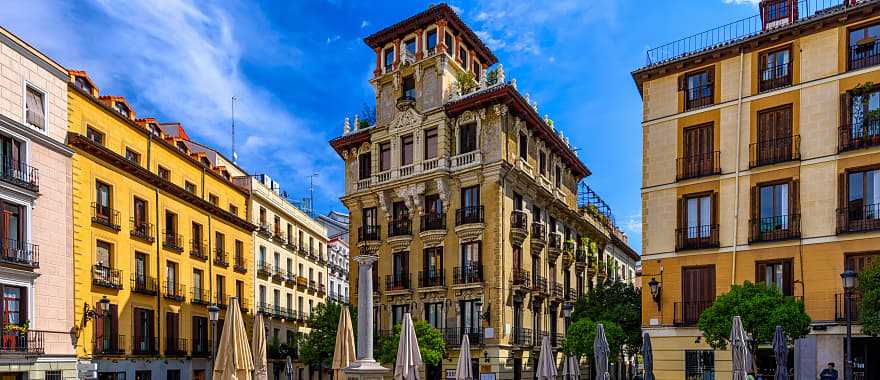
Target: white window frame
25, 86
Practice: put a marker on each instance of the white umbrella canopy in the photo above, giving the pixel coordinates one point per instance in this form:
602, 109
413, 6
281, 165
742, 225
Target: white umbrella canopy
739, 350
601, 352
234, 360
463, 369
258, 346
409, 358
344, 351
546, 365
571, 369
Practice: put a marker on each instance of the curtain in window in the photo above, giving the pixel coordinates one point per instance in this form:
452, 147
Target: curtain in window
34, 105
11, 305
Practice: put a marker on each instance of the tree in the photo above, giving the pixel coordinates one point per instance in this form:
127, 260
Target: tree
316, 348
580, 337
616, 302
869, 305
760, 308
431, 344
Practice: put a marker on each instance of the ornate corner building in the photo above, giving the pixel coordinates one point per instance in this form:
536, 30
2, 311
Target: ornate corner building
760, 164
470, 199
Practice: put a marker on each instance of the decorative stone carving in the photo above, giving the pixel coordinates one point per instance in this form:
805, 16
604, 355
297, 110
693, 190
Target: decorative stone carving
346, 128
405, 120
396, 81
499, 109
466, 117
443, 192
417, 72
384, 202
470, 232
500, 72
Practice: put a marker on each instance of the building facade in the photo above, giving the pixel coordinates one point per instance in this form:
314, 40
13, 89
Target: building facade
160, 233
760, 164
337, 225
468, 197
291, 269
35, 234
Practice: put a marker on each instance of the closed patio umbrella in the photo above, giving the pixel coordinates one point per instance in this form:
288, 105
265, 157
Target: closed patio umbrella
288, 369
409, 358
344, 351
780, 352
234, 360
570, 369
463, 369
648, 357
601, 352
546, 365
739, 350
258, 346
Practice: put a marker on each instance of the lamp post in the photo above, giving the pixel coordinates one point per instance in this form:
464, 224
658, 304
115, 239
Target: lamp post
655, 291
849, 278
566, 312
214, 316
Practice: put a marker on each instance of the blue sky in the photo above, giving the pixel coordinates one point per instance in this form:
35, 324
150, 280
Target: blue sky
299, 67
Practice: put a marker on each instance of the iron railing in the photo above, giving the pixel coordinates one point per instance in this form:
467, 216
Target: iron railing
468, 274
201, 347
197, 250
433, 221
520, 277
863, 55
774, 151
29, 342
400, 227
239, 263
775, 77
174, 292
109, 344
172, 241
144, 284
200, 296
688, 313
397, 281
859, 135
433, 277
519, 219
698, 165
220, 258
468, 215
20, 253
539, 283
699, 96
141, 230
521, 337
105, 216
697, 237
773, 228
538, 231
840, 306
858, 218
175, 346
369, 233
454, 335
145, 345
106, 277
20, 174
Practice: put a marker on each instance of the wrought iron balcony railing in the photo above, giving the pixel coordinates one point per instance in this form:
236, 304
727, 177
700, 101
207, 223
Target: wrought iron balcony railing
20, 174
106, 277
454, 335
859, 135
397, 281
863, 55
773, 228
775, 77
28, 343
840, 306
538, 231
198, 250
520, 277
434, 277
202, 347
20, 253
172, 241
144, 284
775, 151
468, 274
433, 221
400, 227
174, 292
175, 346
522, 337
369, 233
105, 216
697, 237
109, 344
688, 313
220, 259
200, 296
141, 230
858, 218
240, 264
145, 345
468, 215
519, 219
699, 165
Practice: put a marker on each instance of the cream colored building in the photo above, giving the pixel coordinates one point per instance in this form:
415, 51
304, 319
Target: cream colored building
760, 164
290, 268
470, 200
36, 265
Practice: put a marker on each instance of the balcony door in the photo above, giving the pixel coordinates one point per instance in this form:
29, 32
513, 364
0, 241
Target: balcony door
467, 138
107, 330
469, 318
697, 292
140, 216
774, 207
470, 255
776, 274
698, 216
433, 204
140, 270
698, 143
12, 231
143, 330
10, 155
400, 269
103, 201
863, 199
369, 217
433, 266
470, 196
774, 135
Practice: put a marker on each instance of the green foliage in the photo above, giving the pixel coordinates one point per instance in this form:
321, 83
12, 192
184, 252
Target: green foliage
466, 81
316, 347
869, 305
616, 302
432, 345
761, 310
580, 337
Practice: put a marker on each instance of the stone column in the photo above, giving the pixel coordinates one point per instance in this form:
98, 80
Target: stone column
365, 367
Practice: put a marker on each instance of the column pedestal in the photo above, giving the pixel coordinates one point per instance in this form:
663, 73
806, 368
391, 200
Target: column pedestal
365, 367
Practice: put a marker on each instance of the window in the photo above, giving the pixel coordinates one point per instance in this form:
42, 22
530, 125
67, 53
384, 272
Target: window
94, 135
558, 176
698, 89
143, 331
776, 10
170, 225
197, 284
863, 200
189, 187
14, 304
103, 254
697, 294
406, 153
433, 204
470, 254
122, 109
171, 276
221, 290
467, 138
214, 199
862, 120
164, 173
83, 84
774, 207
471, 317
397, 312
523, 146
774, 140
410, 45
864, 47
233, 209
384, 157
409, 87
431, 40
220, 244
104, 203
698, 216
462, 56
389, 58
12, 229
132, 156
35, 107
542, 163
775, 69
775, 274
470, 196
449, 42
699, 156
364, 166
699, 364
431, 143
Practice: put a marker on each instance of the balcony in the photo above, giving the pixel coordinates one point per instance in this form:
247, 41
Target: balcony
465, 160
864, 55
774, 228
775, 77
570, 294
400, 227
197, 250
397, 281
539, 284
303, 252
264, 308
521, 337
520, 279
688, 313
239, 264
302, 282
859, 136
199, 297
698, 166
109, 345
220, 258
145, 345
141, 230
468, 274
539, 236
175, 346
840, 307
174, 292
858, 218
454, 335
19, 253
432, 278
202, 347
106, 277
265, 230
775, 151
369, 233
264, 269
222, 301
313, 286
554, 246
172, 241
699, 97
27, 343
469, 215
106, 217
519, 226
20, 174
557, 292
697, 237
278, 236
144, 285
322, 288
556, 339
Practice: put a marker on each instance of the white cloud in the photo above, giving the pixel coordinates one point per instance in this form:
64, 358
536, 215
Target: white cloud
333, 39
365, 24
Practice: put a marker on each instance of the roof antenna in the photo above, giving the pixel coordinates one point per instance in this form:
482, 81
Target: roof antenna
311, 205
234, 155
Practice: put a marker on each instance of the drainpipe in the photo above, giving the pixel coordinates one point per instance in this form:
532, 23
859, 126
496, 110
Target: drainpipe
736, 173
500, 286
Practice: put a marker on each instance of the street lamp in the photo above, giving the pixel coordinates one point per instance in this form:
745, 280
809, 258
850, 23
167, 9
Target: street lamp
566, 312
850, 280
655, 291
213, 316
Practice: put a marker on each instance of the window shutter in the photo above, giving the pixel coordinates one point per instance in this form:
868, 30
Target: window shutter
760, 273
99, 331
114, 327
794, 197
710, 74
138, 331
845, 110
841, 201
682, 82
754, 211
787, 281
714, 220
196, 333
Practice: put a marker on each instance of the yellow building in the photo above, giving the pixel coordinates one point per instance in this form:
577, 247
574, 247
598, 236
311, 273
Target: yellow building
760, 164
160, 233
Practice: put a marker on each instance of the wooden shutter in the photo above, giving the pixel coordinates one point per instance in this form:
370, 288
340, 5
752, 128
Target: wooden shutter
794, 196
138, 331
682, 82
760, 273
787, 281
99, 331
841, 201
714, 220
196, 333
845, 111
754, 209
114, 327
